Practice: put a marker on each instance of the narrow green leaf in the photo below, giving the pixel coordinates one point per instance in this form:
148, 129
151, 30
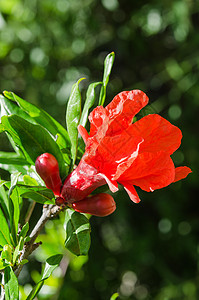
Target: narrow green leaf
77, 233
29, 180
35, 290
51, 263
14, 179
4, 230
24, 230
73, 115
90, 100
11, 284
114, 296
33, 140
38, 194
10, 108
12, 162
17, 250
3, 265
4, 201
44, 119
7, 253
108, 63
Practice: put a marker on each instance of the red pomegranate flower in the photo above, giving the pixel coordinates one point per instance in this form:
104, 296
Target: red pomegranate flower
119, 151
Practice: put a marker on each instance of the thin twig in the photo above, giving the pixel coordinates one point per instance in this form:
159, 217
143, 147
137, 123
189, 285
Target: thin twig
49, 212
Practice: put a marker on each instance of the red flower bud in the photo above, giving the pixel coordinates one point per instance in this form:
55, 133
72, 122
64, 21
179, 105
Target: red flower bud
100, 205
48, 169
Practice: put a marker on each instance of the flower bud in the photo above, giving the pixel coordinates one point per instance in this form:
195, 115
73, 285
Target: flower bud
48, 169
100, 205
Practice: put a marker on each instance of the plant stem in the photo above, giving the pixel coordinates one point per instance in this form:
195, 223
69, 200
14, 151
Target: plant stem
49, 212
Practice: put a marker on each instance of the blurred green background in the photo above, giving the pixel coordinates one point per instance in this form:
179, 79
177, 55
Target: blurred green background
144, 251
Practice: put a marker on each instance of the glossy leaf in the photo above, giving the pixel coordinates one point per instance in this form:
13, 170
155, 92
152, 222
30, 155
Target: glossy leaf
44, 119
24, 230
32, 139
12, 162
77, 233
3, 265
108, 63
38, 194
4, 230
4, 201
29, 180
51, 264
90, 100
73, 115
11, 284
7, 253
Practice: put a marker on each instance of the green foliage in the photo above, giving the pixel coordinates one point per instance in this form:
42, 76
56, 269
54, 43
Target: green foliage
108, 63
45, 47
11, 284
73, 114
51, 264
77, 233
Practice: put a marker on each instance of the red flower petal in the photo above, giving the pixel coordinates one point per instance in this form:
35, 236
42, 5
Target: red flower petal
131, 192
109, 153
181, 173
99, 121
150, 171
123, 108
158, 134
83, 132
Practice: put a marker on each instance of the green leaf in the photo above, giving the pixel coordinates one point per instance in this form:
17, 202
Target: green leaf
10, 108
12, 162
90, 100
11, 284
17, 250
33, 140
29, 180
44, 119
14, 205
4, 230
77, 233
3, 264
114, 296
73, 115
24, 230
51, 264
7, 253
38, 194
4, 201
108, 63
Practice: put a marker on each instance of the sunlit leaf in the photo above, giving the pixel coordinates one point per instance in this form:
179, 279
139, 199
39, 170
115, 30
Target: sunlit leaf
11, 284
43, 118
77, 233
90, 100
51, 264
33, 140
4, 230
73, 115
108, 63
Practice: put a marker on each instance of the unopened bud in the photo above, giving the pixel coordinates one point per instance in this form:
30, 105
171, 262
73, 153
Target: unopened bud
100, 205
48, 169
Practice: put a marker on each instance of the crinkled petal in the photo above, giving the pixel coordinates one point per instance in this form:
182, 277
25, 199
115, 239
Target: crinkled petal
131, 192
83, 132
181, 173
99, 122
150, 171
111, 152
123, 108
158, 134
